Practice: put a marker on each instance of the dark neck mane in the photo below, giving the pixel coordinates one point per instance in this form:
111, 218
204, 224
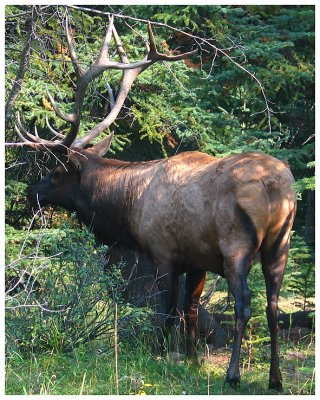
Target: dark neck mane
108, 191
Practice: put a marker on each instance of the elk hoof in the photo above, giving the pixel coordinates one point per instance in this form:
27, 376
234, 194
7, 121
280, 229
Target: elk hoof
194, 360
233, 381
275, 384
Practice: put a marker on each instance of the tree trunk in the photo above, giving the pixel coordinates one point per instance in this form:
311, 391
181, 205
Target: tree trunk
24, 63
142, 290
310, 217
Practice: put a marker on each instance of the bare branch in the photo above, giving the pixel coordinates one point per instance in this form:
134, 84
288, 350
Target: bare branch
18, 15
198, 39
308, 140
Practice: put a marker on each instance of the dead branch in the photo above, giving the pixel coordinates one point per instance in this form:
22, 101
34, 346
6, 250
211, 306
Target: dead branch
24, 63
200, 42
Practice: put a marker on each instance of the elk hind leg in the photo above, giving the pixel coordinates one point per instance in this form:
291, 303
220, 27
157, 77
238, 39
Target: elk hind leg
236, 270
274, 255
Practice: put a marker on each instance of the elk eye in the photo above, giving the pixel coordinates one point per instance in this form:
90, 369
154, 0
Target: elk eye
56, 175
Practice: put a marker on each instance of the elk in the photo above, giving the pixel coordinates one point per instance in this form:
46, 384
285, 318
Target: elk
189, 213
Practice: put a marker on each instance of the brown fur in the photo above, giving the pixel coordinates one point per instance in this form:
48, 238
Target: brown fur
189, 213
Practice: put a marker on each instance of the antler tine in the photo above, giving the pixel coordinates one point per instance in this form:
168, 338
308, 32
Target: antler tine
30, 140
103, 57
20, 134
79, 70
66, 117
182, 56
36, 131
111, 96
24, 131
122, 54
53, 131
153, 47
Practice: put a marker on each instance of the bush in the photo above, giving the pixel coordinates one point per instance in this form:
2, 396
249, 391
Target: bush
301, 272
58, 293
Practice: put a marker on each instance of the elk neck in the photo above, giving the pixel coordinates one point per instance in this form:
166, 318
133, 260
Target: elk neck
109, 189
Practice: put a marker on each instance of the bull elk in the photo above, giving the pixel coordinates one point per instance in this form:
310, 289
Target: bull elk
189, 213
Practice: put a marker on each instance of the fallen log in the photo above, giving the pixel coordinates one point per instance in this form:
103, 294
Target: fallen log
304, 319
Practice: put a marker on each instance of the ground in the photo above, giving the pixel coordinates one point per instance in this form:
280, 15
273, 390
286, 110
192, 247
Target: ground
91, 370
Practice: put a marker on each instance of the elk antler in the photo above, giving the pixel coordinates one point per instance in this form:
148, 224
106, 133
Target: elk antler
84, 77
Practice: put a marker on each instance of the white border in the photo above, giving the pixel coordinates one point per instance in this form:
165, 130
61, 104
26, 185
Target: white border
141, 2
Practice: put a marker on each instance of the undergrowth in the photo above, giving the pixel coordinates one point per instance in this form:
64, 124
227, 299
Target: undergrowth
90, 369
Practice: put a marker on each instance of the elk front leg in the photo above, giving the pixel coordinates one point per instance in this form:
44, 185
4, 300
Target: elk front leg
169, 289
194, 286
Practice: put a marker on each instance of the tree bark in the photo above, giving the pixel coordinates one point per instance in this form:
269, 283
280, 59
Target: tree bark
310, 217
24, 63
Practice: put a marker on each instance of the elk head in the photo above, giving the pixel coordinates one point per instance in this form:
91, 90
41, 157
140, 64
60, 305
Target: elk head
57, 187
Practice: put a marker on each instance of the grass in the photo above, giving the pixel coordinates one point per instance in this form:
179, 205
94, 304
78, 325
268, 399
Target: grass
91, 370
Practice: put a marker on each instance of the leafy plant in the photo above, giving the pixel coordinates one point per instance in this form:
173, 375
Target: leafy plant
301, 272
75, 295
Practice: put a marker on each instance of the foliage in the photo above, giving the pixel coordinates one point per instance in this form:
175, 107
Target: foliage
306, 183
73, 299
205, 103
183, 102
15, 203
301, 268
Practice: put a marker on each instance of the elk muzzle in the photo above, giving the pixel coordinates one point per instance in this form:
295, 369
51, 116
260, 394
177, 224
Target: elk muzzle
39, 194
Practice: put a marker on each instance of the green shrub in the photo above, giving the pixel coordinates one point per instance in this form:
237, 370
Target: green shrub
300, 279
70, 297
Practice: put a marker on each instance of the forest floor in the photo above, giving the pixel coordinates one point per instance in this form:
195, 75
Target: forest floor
91, 370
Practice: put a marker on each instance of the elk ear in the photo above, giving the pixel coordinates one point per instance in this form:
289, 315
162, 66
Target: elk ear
103, 146
76, 159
